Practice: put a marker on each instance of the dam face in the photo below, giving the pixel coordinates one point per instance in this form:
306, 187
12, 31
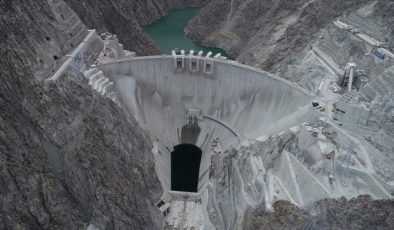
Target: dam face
228, 100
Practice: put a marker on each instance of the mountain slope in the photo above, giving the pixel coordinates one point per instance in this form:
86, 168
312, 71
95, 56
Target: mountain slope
269, 33
68, 156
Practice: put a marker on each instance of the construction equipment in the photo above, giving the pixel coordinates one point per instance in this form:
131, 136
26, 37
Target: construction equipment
331, 157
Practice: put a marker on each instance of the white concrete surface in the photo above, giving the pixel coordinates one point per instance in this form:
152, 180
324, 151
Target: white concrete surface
71, 57
235, 100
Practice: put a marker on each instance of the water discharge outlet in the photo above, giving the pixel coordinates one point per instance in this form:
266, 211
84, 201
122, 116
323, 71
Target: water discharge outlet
185, 165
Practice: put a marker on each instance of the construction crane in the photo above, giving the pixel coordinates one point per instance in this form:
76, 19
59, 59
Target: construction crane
378, 49
331, 157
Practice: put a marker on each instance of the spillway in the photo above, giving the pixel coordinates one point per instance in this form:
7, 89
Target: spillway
229, 101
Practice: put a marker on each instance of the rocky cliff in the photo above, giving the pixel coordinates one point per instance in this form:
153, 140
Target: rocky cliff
254, 179
358, 213
235, 183
268, 33
282, 36
69, 158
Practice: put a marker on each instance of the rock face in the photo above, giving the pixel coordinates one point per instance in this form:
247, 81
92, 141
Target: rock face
358, 213
264, 173
69, 158
267, 33
125, 18
278, 36
285, 216
237, 184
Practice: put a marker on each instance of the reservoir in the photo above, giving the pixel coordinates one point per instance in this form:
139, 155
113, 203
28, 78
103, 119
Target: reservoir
168, 32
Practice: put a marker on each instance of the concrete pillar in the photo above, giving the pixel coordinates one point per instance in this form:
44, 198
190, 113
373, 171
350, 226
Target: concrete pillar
121, 51
116, 44
179, 60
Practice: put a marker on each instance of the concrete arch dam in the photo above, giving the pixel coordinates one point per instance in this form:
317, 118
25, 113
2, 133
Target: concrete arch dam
163, 92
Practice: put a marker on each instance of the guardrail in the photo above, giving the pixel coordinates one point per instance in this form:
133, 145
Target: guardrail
73, 56
381, 53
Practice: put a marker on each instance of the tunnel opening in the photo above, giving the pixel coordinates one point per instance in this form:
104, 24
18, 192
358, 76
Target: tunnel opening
185, 167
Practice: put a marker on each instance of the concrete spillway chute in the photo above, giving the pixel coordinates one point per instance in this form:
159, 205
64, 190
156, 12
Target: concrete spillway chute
349, 71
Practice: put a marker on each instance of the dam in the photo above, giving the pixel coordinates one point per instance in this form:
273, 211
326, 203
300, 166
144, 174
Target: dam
226, 101
106, 126
161, 96
201, 111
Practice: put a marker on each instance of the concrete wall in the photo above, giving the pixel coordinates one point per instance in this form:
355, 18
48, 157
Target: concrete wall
249, 101
82, 56
246, 99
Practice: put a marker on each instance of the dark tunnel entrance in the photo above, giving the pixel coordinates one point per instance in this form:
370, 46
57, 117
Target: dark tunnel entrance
185, 167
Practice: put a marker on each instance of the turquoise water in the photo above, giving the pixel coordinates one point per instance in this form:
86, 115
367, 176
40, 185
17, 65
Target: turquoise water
168, 32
